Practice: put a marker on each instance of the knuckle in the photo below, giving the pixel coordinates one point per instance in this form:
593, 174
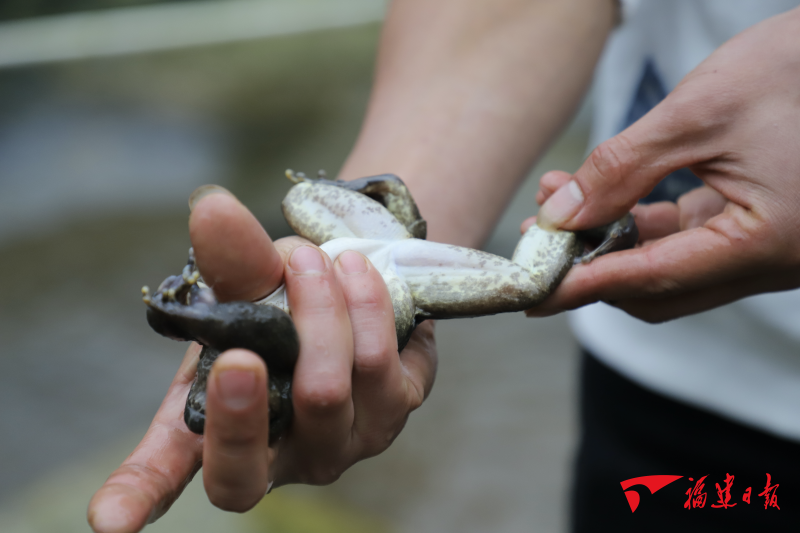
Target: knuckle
370, 319
366, 295
238, 441
316, 301
417, 396
372, 356
665, 287
320, 475
612, 160
364, 290
143, 475
324, 398
314, 296
237, 433
692, 111
654, 283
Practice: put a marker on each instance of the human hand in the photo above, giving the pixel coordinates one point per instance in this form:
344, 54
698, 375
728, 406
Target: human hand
735, 122
352, 392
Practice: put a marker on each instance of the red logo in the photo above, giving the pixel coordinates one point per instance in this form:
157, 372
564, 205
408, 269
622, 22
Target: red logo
654, 483
697, 495
770, 494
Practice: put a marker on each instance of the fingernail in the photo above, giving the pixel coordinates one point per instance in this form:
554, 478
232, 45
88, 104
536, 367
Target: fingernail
352, 262
307, 260
203, 191
237, 388
561, 206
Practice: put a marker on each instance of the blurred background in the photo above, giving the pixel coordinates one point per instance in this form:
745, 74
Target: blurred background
111, 113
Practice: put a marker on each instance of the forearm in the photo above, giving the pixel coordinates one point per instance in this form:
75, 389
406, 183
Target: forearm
467, 95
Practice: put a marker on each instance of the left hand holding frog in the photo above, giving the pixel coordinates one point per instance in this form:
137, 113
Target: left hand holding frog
735, 121
352, 392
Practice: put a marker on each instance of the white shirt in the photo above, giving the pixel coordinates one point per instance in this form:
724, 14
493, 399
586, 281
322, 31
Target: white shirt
741, 361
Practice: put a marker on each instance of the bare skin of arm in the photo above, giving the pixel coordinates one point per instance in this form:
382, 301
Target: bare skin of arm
452, 114
468, 94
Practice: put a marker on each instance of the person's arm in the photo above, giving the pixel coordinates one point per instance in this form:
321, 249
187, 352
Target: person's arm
735, 122
468, 93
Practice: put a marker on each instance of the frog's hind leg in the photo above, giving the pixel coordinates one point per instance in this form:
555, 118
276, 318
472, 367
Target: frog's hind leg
620, 235
392, 193
280, 397
547, 256
194, 414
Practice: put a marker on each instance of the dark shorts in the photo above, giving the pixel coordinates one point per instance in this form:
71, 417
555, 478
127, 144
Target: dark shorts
629, 432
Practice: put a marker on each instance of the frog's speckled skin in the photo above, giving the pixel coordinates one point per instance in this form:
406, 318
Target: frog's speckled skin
427, 280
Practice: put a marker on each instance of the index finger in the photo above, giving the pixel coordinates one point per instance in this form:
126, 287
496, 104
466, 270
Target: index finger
153, 476
626, 167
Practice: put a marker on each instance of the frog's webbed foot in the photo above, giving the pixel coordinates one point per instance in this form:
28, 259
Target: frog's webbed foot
620, 235
390, 191
184, 308
386, 189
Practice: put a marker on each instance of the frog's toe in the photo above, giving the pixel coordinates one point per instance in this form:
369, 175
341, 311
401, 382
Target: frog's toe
620, 235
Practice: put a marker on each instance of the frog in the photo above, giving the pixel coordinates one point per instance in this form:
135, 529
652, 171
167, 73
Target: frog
378, 217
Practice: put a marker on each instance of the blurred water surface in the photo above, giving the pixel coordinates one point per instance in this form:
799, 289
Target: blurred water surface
97, 159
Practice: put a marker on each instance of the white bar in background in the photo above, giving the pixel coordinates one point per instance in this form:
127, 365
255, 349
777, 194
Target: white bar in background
133, 30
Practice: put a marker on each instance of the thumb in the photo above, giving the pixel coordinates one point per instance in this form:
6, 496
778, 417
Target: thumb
234, 254
619, 172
